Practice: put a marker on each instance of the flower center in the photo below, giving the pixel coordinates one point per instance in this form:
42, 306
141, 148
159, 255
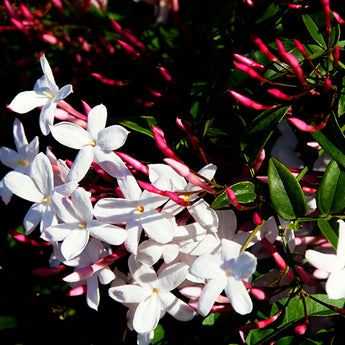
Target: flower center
228, 272
92, 143
140, 208
154, 292
25, 163
47, 199
49, 95
82, 225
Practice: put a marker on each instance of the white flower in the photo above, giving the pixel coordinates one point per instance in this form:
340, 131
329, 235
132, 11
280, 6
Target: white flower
152, 295
39, 189
97, 142
79, 225
45, 94
225, 273
139, 212
19, 161
333, 264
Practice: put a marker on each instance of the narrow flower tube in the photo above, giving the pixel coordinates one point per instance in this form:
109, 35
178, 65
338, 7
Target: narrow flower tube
250, 103
77, 291
187, 128
180, 201
151, 188
249, 62
262, 323
336, 55
134, 163
162, 144
132, 53
262, 47
185, 172
165, 74
23, 238
250, 71
45, 272
292, 61
281, 95
230, 194
327, 13
302, 126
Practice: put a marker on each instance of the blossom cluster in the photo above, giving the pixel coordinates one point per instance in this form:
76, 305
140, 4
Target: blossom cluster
184, 257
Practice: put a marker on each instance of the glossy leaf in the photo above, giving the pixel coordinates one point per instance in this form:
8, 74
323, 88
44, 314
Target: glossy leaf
330, 196
259, 131
329, 228
286, 193
244, 191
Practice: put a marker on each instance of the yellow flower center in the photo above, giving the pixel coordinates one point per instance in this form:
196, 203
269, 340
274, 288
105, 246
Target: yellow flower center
25, 163
92, 143
154, 292
140, 209
82, 225
49, 95
47, 199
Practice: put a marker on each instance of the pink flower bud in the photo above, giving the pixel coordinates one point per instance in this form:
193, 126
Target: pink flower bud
249, 103
50, 39
336, 55
77, 291
230, 194
305, 276
193, 292
340, 20
185, 172
249, 62
257, 219
45, 272
302, 126
162, 144
262, 323
165, 73
152, 91
151, 188
137, 165
187, 128
292, 61
327, 85
174, 197
262, 47
278, 94
327, 14
12, 12
25, 239
221, 308
250, 71
131, 52
301, 329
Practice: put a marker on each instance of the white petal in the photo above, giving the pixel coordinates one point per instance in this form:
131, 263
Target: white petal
129, 186
170, 252
207, 266
230, 250
335, 286
207, 245
82, 204
208, 171
26, 101
96, 120
19, 136
81, 163
209, 295
5, 193
227, 223
111, 163
172, 276
42, 174
204, 215
149, 252
341, 242
47, 71
128, 293
107, 233
10, 158
74, 243
59, 232
142, 274
63, 92
238, 295
23, 186
112, 137
164, 177
48, 216
33, 217
134, 231
326, 262
176, 308
46, 119
70, 135
114, 210
92, 292
147, 315
243, 266
156, 226
106, 276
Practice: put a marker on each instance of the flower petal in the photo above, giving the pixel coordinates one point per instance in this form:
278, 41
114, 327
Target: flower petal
46, 119
33, 217
156, 226
341, 242
147, 314
82, 204
114, 210
107, 233
92, 292
149, 252
335, 286
10, 158
207, 266
244, 266
27, 100
19, 136
74, 243
81, 163
112, 137
209, 295
238, 295
42, 174
172, 276
204, 215
326, 262
128, 293
175, 307
70, 135
96, 120
23, 186
63, 92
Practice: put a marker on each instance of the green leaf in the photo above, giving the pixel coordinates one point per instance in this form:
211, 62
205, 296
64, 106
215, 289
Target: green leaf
329, 228
332, 140
286, 193
341, 104
210, 319
314, 29
330, 196
259, 131
141, 124
244, 191
7, 322
293, 312
159, 335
